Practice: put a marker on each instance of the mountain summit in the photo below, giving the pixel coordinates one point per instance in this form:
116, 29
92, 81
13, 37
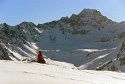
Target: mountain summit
88, 40
90, 12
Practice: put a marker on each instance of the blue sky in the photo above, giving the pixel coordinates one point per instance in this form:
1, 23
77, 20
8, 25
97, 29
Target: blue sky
14, 12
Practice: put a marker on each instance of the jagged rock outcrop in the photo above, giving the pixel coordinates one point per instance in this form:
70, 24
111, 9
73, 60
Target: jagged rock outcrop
81, 24
13, 37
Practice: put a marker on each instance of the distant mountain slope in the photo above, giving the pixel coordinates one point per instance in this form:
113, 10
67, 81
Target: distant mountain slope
88, 40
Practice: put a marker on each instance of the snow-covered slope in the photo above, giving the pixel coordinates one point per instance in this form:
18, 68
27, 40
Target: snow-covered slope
16, 72
88, 40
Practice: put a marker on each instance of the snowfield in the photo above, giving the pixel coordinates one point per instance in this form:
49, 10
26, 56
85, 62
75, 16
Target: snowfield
18, 72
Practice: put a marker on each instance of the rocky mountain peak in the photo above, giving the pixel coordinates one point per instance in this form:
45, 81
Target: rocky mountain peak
91, 17
30, 24
89, 12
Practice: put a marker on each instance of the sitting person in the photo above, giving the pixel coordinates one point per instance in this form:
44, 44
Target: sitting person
40, 58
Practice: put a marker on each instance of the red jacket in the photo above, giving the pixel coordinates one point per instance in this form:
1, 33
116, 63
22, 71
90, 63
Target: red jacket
39, 57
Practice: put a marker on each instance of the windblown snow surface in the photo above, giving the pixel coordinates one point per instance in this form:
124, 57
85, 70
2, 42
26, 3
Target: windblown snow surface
18, 72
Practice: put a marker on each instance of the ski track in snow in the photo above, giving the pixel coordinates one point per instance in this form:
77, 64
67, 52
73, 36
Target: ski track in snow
53, 76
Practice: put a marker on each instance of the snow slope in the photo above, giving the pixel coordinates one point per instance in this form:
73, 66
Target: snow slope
18, 72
